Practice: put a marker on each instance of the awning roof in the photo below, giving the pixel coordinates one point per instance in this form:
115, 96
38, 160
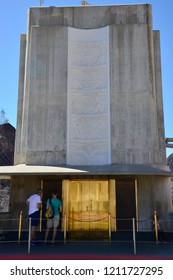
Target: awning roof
113, 169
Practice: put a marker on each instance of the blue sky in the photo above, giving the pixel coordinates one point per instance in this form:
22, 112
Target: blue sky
13, 22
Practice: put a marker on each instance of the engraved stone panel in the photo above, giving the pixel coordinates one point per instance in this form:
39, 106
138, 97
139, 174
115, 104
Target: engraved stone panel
94, 104
88, 114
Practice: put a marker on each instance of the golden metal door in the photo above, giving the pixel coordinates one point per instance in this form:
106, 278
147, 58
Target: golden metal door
88, 204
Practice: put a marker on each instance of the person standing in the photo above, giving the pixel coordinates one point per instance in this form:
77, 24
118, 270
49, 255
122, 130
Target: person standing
53, 222
34, 202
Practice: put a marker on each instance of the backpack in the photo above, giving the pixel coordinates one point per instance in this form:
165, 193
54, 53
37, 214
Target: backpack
49, 212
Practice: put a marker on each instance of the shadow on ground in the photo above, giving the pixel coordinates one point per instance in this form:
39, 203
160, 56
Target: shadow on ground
120, 247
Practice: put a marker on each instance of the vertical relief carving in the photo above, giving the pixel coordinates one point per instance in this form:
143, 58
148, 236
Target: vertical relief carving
88, 114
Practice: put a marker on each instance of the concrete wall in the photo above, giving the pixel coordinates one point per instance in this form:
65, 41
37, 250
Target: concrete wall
19, 153
136, 111
153, 194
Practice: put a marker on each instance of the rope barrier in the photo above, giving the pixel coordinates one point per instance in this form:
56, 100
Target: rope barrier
107, 217
144, 220
81, 220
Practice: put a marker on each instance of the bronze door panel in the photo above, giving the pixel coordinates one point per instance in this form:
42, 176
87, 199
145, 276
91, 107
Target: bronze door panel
88, 205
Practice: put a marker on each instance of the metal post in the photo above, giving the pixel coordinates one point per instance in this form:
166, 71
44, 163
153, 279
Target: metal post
65, 228
41, 209
20, 227
41, 214
134, 236
136, 199
109, 217
156, 227
40, 2
29, 236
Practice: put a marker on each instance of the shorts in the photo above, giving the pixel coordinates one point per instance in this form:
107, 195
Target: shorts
53, 222
35, 218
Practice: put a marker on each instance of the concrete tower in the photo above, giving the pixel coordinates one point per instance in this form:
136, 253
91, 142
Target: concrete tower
90, 88
90, 116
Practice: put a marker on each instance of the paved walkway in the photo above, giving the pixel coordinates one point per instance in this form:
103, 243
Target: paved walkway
87, 250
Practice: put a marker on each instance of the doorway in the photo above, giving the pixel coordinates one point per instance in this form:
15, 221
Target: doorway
48, 187
125, 204
88, 207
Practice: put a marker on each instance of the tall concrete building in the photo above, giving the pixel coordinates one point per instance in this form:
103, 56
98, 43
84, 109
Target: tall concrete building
90, 115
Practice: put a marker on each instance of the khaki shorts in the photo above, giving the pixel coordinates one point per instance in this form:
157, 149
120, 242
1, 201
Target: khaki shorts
53, 222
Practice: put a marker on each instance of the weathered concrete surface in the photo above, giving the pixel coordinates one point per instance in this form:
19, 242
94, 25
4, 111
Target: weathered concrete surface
19, 131
135, 98
151, 196
136, 111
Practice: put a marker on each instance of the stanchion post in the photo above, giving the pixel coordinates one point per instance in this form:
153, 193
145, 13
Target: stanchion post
41, 214
29, 236
41, 209
20, 227
156, 227
109, 217
134, 236
65, 228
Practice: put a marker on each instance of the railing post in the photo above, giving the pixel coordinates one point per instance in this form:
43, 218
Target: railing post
41, 215
20, 227
109, 217
156, 227
134, 236
29, 236
65, 228
41, 209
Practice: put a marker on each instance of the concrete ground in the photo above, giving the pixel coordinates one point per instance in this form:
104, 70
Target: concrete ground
86, 250
120, 247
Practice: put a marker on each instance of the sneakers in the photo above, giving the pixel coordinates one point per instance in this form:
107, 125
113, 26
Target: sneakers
48, 243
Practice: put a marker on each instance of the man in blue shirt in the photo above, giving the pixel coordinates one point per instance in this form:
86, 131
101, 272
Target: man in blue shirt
56, 205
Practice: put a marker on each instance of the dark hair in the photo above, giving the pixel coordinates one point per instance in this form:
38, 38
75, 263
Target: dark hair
39, 190
55, 192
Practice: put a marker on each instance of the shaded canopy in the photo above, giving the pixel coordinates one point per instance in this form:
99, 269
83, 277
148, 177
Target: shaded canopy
113, 169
